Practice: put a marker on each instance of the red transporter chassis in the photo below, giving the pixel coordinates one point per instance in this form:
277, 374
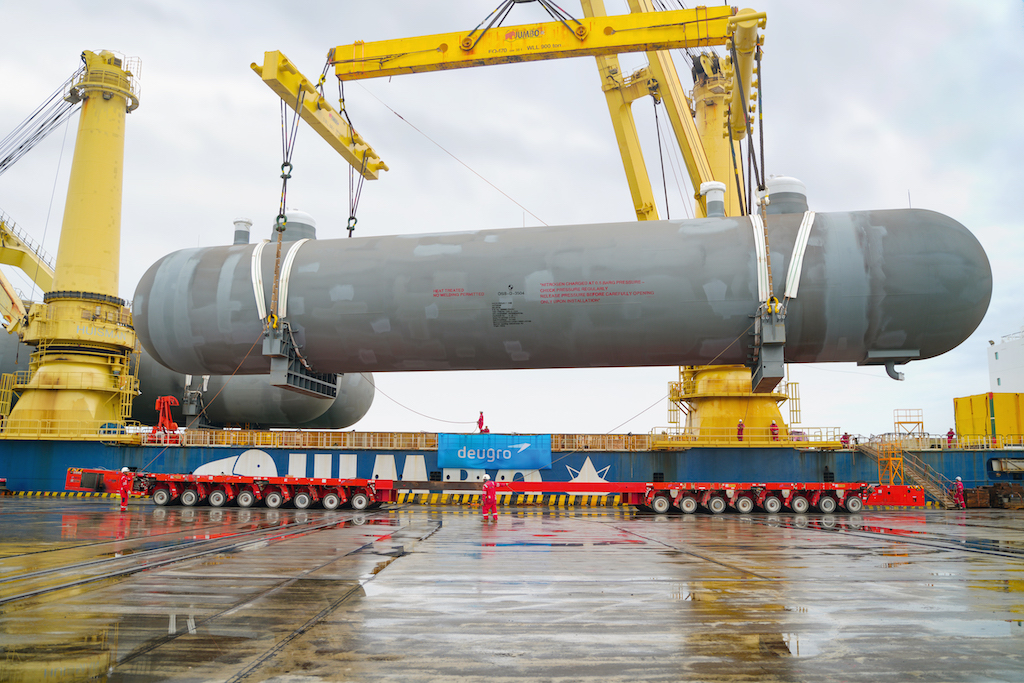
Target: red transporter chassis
659, 497
219, 490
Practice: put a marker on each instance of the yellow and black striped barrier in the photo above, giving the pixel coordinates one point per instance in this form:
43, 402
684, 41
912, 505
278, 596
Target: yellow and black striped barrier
62, 494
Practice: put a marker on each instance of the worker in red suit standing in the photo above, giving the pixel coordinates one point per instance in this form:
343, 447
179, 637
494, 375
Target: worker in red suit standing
775, 431
480, 422
958, 494
739, 430
125, 487
490, 498
950, 435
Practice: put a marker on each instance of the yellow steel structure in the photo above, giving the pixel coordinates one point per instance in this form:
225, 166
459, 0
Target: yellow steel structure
16, 249
604, 37
890, 464
82, 372
708, 132
302, 95
526, 43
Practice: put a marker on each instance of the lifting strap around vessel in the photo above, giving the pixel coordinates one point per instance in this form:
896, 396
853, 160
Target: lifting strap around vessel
796, 261
286, 272
761, 252
257, 279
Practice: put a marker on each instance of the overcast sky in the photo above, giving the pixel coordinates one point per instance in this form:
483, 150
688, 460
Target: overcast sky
874, 105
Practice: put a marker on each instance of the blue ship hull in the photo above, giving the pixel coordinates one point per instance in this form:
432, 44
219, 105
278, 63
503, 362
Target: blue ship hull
42, 465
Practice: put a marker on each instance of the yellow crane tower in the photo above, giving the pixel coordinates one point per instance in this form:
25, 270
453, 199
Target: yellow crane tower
82, 378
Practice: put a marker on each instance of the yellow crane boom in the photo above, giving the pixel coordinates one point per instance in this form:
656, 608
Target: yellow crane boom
593, 36
301, 94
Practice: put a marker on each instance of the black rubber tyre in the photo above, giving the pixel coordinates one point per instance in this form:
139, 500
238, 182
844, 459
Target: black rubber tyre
854, 504
274, 499
688, 504
359, 501
772, 505
161, 497
302, 500
661, 504
330, 501
799, 505
717, 505
744, 505
245, 499
189, 497
218, 498
827, 504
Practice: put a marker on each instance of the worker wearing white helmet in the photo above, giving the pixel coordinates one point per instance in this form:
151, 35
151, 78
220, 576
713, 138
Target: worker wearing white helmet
125, 487
958, 494
489, 499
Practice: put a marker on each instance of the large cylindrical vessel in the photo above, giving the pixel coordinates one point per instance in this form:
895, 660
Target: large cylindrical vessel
903, 283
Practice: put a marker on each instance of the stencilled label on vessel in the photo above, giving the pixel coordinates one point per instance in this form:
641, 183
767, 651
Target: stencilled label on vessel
590, 291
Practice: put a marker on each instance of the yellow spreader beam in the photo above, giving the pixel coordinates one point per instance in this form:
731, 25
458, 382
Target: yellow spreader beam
291, 86
594, 36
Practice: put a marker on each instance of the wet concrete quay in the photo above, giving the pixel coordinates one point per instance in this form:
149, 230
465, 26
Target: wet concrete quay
417, 593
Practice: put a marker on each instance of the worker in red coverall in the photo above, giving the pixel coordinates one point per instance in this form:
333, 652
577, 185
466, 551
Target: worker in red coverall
775, 431
490, 498
125, 487
480, 422
739, 430
950, 435
958, 494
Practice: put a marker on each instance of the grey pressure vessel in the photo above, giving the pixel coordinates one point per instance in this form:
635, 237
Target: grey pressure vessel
252, 400
897, 284
249, 399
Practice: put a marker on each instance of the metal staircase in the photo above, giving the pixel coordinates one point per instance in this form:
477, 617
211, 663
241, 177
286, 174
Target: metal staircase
916, 471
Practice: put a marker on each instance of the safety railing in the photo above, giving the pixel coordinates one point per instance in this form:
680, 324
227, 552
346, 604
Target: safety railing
72, 430
968, 442
309, 439
687, 437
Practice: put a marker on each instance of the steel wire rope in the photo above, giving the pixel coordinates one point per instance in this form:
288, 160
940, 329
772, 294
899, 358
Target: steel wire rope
675, 164
411, 410
735, 168
661, 158
355, 189
54, 111
467, 166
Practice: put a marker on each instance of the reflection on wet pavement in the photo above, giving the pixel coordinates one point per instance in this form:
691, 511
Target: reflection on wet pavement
423, 594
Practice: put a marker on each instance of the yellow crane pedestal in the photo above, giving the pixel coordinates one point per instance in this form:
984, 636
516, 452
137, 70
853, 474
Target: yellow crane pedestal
82, 377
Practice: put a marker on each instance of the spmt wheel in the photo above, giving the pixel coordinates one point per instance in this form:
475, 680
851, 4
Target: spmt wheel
330, 501
799, 505
218, 498
744, 505
853, 503
245, 499
827, 504
717, 505
302, 500
772, 505
661, 504
274, 499
359, 501
189, 497
161, 496
688, 504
